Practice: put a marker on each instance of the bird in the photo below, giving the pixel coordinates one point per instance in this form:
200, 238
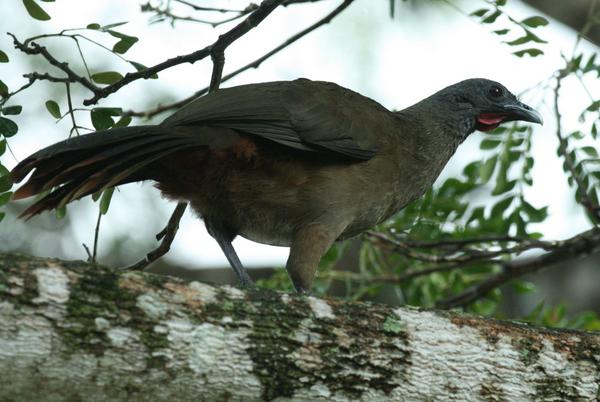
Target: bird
297, 163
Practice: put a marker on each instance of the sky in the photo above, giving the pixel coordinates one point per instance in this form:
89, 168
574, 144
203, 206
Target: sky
394, 61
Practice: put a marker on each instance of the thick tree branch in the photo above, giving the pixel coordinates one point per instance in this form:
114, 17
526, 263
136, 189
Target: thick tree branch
71, 330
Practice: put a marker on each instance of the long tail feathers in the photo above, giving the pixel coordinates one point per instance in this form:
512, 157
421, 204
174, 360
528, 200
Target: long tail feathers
89, 163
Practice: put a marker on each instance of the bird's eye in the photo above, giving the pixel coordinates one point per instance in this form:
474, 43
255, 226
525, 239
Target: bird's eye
495, 91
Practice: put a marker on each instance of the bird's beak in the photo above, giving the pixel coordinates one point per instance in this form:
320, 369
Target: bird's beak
520, 111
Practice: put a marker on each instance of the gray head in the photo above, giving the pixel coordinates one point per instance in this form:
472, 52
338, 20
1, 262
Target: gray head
476, 104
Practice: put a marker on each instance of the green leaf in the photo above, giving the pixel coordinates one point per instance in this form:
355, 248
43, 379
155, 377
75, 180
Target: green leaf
3, 57
594, 106
590, 151
489, 143
2, 215
123, 121
93, 26
523, 286
105, 200
502, 186
535, 22
480, 13
8, 128
101, 119
492, 17
107, 77
141, 67
35, 10
5, 197
3, 171
533, 52
61, 212
5, 183
487, 169
3, 89
53, 109
12, 110
535, 214
501, 206
519, 41
2, 147
125, 42
500, 3
501, 31
114, 25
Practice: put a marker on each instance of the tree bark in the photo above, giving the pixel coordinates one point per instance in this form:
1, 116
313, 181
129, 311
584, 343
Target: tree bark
74, 331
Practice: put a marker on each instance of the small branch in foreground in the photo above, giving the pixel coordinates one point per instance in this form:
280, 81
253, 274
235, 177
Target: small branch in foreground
167, 235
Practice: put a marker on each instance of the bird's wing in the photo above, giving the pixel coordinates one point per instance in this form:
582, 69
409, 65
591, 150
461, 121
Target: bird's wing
301, 114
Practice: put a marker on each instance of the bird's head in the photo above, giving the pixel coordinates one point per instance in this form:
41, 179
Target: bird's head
484, 104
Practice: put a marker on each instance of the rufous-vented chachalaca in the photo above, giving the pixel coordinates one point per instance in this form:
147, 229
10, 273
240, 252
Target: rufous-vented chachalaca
292, 163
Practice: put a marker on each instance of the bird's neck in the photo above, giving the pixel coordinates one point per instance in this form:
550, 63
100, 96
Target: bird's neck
441, 125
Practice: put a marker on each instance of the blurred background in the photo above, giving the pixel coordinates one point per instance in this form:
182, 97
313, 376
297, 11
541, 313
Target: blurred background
396, 60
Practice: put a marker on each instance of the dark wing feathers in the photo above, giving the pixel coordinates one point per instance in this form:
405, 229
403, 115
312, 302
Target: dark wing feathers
302, 114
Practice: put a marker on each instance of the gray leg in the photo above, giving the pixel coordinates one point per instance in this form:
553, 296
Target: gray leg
225, 244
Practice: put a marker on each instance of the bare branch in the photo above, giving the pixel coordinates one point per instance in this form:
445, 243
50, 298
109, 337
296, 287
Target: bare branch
583, 244
465, 255
34, 49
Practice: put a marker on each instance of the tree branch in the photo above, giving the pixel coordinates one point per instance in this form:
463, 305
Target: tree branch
71, 330
219, 46
578, 246
254, 64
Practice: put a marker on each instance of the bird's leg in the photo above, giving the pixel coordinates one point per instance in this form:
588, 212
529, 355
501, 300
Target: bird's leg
225, 244
308, 246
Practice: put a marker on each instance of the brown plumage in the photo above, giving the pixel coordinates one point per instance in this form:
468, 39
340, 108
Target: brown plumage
298, 163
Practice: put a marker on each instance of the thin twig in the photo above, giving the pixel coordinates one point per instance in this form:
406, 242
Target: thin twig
72, 76
71, 112
592, 208
96, 236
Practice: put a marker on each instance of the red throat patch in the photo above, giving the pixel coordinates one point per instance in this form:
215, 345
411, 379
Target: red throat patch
489, 121
490, 118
